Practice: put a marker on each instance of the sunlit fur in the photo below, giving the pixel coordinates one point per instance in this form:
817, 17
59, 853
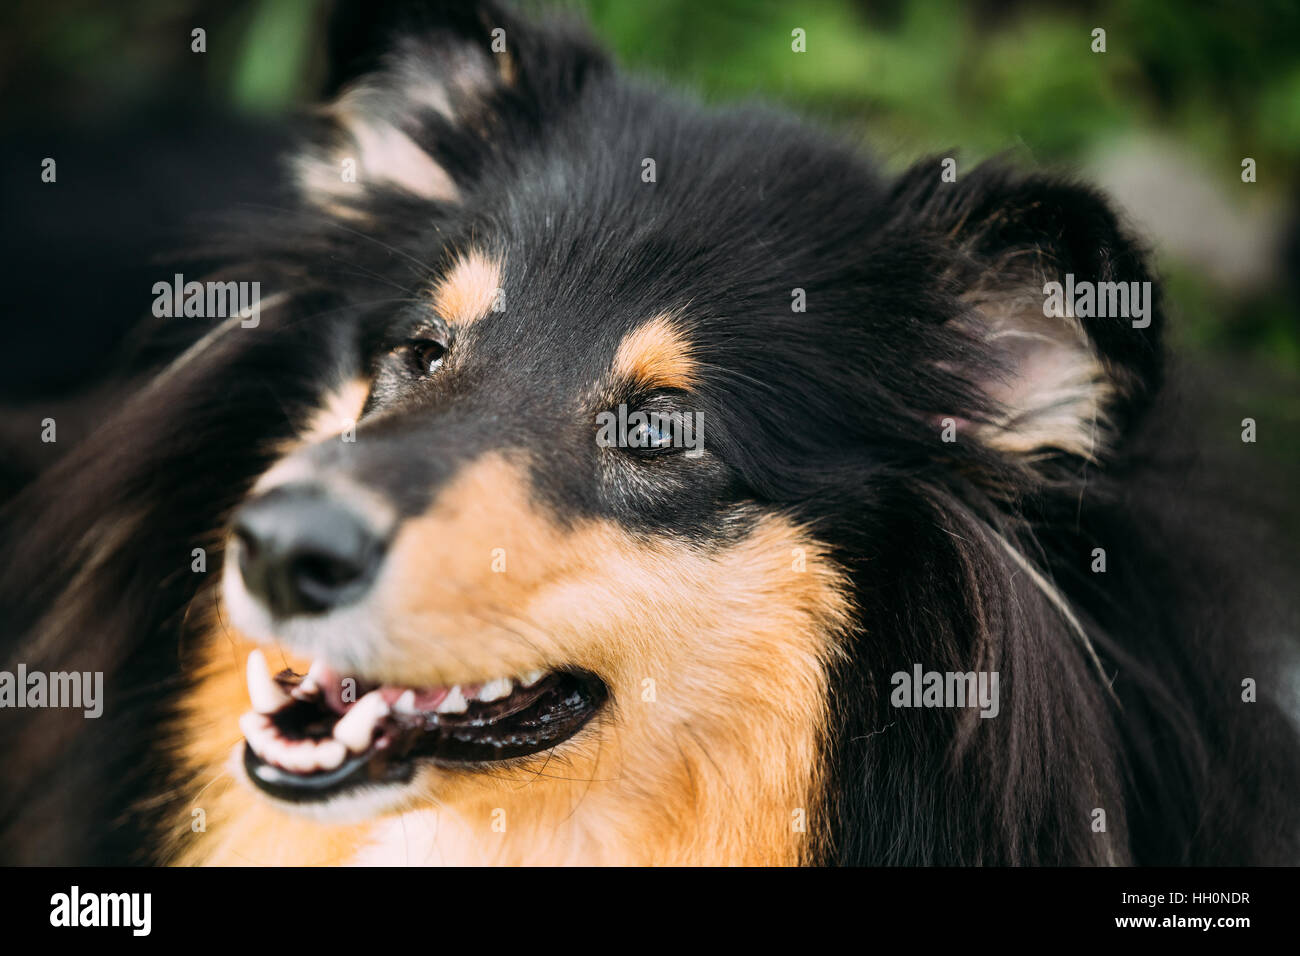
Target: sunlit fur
746, 607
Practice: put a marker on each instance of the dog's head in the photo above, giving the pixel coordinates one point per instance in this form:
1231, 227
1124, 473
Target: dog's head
604, 377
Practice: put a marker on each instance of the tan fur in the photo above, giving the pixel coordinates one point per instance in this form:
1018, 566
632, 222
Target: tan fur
469, 289
735, 644
507, 69
340, 408
657, 355
336, 410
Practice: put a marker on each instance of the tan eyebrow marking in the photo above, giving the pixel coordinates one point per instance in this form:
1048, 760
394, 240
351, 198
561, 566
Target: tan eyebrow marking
469, 289
657, 355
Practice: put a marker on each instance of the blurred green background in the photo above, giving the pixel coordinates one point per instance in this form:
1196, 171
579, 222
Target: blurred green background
1162, 119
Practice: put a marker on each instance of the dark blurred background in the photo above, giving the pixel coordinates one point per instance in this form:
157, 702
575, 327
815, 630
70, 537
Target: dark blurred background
152, 139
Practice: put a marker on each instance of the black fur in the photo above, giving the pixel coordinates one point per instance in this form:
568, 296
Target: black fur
830, 415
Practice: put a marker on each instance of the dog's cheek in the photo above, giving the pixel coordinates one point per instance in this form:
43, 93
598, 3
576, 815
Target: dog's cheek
718, 663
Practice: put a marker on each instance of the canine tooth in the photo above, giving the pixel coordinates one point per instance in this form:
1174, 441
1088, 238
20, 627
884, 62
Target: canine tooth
406, 703
453, 703
496, 689
267, 696
357, 727
531, 678
309, 686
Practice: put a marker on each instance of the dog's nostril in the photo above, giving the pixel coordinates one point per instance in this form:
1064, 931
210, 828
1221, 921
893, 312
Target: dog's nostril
320, 578
300, 552
325, 569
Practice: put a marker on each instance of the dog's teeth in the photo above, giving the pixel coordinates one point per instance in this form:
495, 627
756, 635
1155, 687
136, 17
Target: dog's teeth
453, 703
267, 696
309, 686
357, 728
531, 678
269, 747
329, 754
406, 703
496, 689
289, 756
252, 724
319, 755
259, 733
299, 756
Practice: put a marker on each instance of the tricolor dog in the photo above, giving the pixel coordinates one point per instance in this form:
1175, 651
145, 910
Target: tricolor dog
421, 568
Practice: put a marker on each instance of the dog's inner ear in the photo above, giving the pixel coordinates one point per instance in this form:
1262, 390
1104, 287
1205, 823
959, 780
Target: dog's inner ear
1046, 384
1056, 376
385, 130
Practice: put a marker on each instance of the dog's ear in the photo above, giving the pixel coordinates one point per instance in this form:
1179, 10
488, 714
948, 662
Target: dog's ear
1059, 313
422, 94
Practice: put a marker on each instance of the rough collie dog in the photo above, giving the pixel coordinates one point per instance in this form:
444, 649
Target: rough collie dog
605, 478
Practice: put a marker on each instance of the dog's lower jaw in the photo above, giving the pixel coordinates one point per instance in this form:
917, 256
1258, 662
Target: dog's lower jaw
563, 812
641, 786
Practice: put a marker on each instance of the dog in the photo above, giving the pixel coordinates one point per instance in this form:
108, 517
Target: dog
605, 478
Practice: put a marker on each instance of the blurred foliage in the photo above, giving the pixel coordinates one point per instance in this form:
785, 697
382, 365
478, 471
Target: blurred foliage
930, 74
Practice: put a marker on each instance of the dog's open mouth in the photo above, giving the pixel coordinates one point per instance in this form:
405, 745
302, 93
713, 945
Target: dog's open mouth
309, 738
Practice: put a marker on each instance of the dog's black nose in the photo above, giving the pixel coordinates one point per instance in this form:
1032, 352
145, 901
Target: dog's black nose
301, 552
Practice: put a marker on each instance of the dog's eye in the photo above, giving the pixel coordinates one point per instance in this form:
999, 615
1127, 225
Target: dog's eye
652, 435
426, 355
651, 430
654, 432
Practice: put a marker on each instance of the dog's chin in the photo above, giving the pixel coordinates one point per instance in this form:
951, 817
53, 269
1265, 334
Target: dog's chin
344, 748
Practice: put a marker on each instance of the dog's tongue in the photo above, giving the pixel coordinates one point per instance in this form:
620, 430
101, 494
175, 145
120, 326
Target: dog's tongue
332, 686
